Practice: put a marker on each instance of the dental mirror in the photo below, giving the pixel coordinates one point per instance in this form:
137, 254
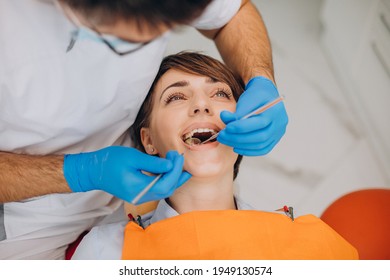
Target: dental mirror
192, 141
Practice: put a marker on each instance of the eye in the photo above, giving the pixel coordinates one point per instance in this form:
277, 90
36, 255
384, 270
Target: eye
223, 93
174, 97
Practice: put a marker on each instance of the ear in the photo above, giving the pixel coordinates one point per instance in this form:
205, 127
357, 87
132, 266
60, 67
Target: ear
147, 141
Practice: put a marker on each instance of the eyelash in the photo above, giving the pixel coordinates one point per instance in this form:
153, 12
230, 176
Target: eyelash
227, 93
173, 95
180, 96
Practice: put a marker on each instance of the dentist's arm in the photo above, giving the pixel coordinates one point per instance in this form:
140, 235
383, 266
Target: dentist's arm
115, 170
26, 176
244, 44
245, 47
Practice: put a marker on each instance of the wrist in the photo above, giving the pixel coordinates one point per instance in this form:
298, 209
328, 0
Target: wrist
75, 172
259, 72
260, 79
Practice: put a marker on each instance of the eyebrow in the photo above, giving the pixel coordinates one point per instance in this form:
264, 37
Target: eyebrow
185, 83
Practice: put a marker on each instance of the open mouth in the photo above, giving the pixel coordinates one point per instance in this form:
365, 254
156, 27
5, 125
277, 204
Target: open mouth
202, 134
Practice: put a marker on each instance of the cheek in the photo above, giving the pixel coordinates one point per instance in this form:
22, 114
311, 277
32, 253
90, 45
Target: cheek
231, 107
160, 137
164, 133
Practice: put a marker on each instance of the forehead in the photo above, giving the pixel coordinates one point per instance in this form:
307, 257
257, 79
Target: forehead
173, 76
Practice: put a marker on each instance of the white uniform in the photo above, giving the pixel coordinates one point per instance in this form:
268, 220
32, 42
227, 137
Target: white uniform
57, 102
105, 242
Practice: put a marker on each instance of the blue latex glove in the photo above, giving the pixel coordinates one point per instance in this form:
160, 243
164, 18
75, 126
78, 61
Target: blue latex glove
258, 134
117, 170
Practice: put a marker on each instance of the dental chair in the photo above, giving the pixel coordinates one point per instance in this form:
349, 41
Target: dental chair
363, 218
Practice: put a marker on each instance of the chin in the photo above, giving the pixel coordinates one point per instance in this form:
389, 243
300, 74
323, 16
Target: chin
204, 170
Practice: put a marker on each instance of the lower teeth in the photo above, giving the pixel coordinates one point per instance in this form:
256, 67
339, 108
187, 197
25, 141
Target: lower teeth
193, 141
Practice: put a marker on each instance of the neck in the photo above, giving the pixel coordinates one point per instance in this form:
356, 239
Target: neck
204, 194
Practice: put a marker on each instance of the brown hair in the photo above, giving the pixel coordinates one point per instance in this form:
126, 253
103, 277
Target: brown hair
191, 63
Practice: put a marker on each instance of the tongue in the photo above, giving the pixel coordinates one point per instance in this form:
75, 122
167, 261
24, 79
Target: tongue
202, 135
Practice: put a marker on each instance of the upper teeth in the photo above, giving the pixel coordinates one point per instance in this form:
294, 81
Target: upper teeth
198, 130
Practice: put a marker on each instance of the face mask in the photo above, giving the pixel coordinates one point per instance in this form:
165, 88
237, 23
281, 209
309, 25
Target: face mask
84, 33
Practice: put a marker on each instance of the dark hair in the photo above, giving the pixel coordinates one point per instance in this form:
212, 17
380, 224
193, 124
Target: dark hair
152, 12
192, 63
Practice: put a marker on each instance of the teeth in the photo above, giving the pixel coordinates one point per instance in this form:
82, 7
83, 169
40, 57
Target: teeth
198, 130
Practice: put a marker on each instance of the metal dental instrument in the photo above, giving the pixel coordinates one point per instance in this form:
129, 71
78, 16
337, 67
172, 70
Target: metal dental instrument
254, 112
192, 141
146, 189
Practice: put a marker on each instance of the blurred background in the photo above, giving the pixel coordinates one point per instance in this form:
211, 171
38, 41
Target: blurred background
332, 63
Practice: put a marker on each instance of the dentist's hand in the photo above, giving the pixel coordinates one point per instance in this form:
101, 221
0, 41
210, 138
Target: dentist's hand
118, 171
258, 134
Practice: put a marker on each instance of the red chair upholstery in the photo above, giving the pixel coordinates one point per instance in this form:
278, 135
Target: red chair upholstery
363, 218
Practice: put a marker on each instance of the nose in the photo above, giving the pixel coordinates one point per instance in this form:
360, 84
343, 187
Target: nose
201, 106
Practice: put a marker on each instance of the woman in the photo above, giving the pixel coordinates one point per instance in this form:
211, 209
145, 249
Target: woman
200, 219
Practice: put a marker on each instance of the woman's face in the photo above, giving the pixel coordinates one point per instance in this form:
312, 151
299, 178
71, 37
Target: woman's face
186, 105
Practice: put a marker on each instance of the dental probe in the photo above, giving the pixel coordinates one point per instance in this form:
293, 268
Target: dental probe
254, 112
146, 189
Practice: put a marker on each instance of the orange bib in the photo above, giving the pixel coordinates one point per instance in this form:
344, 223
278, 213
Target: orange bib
235, 234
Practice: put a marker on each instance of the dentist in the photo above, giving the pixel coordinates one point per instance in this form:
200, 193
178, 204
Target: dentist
73, 74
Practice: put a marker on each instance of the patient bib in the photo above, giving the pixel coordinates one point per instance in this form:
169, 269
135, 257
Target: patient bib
235, 234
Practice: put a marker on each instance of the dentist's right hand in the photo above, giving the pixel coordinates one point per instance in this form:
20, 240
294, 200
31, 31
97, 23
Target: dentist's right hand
118, 171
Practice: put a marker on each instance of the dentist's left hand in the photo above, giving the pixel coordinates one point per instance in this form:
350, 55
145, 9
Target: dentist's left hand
118, 171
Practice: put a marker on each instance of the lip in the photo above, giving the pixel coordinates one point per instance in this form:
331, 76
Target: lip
202, 147
201, 125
